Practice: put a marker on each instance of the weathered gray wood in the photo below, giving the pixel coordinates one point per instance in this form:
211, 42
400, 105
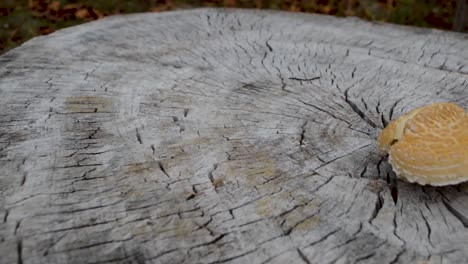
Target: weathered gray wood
212, 136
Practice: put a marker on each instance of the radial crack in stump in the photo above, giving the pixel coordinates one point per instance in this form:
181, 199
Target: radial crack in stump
429, 145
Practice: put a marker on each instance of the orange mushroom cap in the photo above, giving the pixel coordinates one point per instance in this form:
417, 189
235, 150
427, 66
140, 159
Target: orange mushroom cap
429, 145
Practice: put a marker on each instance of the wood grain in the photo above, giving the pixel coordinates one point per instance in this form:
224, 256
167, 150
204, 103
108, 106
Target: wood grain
223, 136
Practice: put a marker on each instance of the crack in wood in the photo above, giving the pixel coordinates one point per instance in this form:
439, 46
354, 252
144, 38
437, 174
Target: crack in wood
19, 251
5, 216
325, 237
303, 256
302, 136
394, 191
358, 111
462, 218
397, 256
138, 136
161, 167
304, 79
379, 202
23, 178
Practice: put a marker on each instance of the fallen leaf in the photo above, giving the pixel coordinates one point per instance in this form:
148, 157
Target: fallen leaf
82, 13
54, 6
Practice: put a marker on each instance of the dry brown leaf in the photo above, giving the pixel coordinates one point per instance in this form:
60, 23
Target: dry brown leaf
54, 6
82, 13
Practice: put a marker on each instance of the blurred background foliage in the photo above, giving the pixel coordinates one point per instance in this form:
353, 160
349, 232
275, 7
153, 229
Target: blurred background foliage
24, 19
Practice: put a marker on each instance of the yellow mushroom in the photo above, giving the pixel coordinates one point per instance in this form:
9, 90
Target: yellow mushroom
428, 145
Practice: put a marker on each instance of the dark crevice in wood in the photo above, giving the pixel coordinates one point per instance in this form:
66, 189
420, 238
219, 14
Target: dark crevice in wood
5, 217
190, 197
268, 45
304, 79
216, 239
88, 172
378, 165
358, 111
378, 205
363, 172
302, 256
456, 213
392, 109
231, 213
383, 120
394, 192
326, 112
153, 149
138, 136
208, 19
94, 133
210, 173
263, 61
366, 257
23, 179
161, 167
17, 226
303, 130
19, 250
364, 103
395, 229
428, 227
395, 260
283, 83
46, 251
324, 237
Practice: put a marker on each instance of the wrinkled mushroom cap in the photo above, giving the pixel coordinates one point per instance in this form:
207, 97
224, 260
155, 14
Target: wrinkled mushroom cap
429, 145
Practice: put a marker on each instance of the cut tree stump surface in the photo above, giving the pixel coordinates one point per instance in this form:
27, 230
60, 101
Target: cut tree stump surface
223, 136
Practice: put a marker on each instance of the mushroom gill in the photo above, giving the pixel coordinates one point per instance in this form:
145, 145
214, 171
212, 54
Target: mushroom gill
428, 145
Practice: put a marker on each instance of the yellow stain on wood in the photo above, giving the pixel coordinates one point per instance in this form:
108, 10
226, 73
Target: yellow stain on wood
255, 171
270, 205
276, 204
184, 227
141, 229
141, 167
146, 168
264, 172
309, 223
424, 262
218, 182
88, 104
296, 217
133, 194
376, 186
264, 206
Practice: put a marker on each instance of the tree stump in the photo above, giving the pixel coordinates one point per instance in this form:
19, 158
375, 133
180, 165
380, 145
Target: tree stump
223, 136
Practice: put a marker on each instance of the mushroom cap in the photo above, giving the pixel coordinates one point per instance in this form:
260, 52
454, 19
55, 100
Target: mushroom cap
429, 145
